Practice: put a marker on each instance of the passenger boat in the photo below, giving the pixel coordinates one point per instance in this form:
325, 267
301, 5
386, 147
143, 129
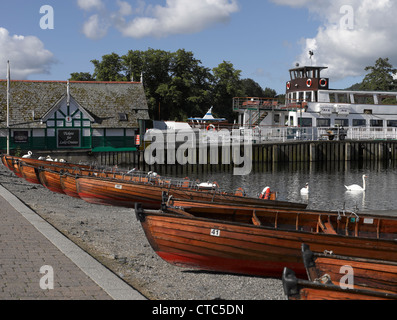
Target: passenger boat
262, 241
312, 111
376, 275
148, 190
298, 289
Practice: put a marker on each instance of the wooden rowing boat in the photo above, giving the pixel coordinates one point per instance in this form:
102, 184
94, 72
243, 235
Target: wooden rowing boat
5, 160
18, 165
68, 180
377, 275
68, 184
298, 289
29, 172
262, 241
50, 179
148, 191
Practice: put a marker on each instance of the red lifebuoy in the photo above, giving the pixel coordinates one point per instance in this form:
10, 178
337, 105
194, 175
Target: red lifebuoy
265, 195
288, 85
210, 126
309, 83
323, 82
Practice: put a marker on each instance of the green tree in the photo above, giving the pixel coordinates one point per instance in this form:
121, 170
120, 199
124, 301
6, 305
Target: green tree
177, 85
133, 63
111, 68
227, 85
251, 88
81, 76
380, 76
188, 92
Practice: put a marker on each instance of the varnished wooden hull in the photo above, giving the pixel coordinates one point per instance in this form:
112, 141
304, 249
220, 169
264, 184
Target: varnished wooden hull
377, 275
297, 289
117, 192
29, 173
18, 165
51, 180
219, 245
68, 185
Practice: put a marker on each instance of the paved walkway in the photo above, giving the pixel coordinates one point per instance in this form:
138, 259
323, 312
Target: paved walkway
34, 257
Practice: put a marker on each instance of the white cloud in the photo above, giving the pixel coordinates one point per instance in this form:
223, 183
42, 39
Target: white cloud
180, 17
88, 5
26, 54
95, 27
353, 34
175, 17
125, 8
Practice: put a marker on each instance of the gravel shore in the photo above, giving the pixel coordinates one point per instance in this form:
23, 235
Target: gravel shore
115, 238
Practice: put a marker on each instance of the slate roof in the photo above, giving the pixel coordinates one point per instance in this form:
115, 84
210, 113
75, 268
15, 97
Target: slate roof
104, 101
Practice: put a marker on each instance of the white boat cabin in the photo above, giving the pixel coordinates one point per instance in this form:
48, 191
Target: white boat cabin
310, 103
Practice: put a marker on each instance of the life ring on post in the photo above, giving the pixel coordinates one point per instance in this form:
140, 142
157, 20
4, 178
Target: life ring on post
265, 195
323, 82
309, 83
210, 126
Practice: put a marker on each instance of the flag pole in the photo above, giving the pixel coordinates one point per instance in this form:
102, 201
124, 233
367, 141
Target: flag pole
8, 107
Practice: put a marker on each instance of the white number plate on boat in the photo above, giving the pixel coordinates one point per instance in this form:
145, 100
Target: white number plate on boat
118, 186
215, 232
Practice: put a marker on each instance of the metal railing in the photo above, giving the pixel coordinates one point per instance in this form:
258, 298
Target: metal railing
264, 134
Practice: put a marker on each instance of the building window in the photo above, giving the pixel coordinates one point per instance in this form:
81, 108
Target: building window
342, 122
324, 122
305, 122
359, 123
123, 117
392, 123
376, 123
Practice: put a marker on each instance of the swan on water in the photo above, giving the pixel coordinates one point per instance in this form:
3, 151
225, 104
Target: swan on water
48, 158
29, 155
305, 189
356, 187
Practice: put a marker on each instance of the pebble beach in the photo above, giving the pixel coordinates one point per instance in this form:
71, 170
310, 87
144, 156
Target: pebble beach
114, 237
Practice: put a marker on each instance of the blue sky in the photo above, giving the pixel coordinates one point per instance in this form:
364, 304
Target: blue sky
263, 38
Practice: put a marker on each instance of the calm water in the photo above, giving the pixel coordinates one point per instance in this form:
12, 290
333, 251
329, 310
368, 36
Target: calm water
326, 182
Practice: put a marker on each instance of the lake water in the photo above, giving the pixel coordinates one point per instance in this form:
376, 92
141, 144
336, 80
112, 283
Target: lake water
326, 183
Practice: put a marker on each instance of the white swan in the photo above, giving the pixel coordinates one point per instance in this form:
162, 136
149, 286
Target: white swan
356, 187
29, 155
305, 189
48, 158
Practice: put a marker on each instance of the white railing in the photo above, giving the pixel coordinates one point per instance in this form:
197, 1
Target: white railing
265, 134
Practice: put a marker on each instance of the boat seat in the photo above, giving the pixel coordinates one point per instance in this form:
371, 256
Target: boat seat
255, 219
326, 227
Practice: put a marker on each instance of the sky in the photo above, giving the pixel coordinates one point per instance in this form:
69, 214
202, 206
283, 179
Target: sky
50, 39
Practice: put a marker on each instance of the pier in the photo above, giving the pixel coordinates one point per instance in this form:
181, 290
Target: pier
267, 153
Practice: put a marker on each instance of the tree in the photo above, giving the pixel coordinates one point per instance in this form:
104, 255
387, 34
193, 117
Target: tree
189, 87
380, 77
227, 85
81, 76
110, 68
177, 85
251, 88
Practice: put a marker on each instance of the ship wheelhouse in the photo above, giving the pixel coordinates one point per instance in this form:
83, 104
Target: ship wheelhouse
311, 108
